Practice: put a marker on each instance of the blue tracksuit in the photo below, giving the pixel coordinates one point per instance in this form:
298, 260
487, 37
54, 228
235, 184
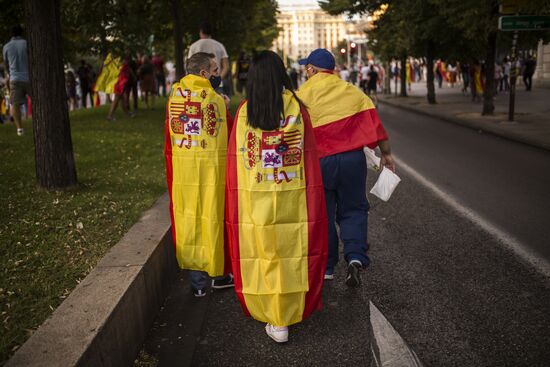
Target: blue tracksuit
345, 179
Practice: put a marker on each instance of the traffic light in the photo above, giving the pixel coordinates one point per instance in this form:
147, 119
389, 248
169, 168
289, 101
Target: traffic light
342, 51
353, 48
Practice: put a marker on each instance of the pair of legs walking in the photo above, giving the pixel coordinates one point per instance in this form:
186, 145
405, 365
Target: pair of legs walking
199, 281
345, 179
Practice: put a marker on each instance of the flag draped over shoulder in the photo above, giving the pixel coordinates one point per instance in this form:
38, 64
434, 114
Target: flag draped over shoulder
109, 75
195, 152
276, 217
343, 117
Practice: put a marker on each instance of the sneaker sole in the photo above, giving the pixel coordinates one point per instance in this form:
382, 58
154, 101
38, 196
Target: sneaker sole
275, 338
223, 286
353, 280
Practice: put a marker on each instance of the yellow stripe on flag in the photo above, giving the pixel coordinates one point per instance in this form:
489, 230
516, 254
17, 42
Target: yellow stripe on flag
273, 218
198, 133
338, 100
108, 76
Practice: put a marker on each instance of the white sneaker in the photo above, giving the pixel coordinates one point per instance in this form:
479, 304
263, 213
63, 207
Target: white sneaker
277, 333
20, 132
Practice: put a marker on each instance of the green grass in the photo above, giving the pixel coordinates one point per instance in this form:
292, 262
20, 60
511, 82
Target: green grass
49, 241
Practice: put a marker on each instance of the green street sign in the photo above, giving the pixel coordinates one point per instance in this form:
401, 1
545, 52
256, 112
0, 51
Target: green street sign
524, 23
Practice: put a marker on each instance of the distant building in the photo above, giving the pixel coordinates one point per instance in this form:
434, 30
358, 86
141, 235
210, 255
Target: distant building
305, 27
542, 72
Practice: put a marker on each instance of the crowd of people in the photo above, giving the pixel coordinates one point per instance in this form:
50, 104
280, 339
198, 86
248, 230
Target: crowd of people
255, 199
145, 77
470, 75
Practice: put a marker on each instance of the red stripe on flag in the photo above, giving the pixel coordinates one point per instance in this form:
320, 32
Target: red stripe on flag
232, 212
317, 220
169, 169
350, 133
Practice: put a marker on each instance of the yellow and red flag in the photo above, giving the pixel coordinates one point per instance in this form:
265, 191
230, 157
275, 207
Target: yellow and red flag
276, 217
196, 131
343, 117
109, 75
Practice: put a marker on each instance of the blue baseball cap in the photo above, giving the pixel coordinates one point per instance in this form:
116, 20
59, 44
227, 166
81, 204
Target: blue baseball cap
321, 57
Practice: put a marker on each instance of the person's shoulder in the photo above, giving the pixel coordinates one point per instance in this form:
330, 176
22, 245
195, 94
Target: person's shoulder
220, 46
194, 45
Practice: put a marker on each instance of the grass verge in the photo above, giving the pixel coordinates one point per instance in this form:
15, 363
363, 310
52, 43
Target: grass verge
51, 240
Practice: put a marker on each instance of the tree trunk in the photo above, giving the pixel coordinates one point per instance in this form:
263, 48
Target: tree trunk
178, 41
490, 87
489, 92
430, 75
403, 72
55, 166
387, 79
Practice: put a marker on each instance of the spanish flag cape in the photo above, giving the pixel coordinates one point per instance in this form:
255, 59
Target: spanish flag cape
343, 117
478, 80
276, 217
109, 75
196, 152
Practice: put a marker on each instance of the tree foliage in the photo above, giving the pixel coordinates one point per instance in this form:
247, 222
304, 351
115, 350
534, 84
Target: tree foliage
101, 26
97, 27
453, 30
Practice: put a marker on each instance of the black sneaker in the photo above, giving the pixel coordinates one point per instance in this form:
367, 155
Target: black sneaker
199, 292
353, 279
225, 282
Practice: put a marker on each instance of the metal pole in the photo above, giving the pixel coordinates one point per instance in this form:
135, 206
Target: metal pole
348, 54
513, 75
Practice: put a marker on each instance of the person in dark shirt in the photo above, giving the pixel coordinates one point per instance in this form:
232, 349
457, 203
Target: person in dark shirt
243, 64
294, 78
146, 74
372, 83
83, 73
528, 71
158, 62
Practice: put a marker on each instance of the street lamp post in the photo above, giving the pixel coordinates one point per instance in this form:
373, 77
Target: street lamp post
347, 41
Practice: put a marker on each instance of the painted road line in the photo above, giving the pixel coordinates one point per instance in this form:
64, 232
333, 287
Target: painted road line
387, 346
507, 239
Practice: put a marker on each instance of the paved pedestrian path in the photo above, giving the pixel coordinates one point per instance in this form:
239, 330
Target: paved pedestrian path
530, 126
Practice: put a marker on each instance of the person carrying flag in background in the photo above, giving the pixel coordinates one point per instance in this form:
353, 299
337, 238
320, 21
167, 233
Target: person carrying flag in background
196, 130
276, 217
344, 120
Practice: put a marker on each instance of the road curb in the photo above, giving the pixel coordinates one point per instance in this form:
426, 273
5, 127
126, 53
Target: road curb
485, 127
105, 319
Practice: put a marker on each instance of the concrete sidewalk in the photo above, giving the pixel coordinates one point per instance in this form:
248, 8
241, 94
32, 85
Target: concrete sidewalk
530, 126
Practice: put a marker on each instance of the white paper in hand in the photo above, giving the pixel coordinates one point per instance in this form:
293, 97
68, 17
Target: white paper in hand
373, 162
386, 183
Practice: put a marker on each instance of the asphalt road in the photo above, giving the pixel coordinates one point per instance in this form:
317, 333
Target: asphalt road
505, 182
450, 288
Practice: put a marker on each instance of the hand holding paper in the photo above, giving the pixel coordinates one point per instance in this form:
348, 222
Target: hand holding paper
373, 162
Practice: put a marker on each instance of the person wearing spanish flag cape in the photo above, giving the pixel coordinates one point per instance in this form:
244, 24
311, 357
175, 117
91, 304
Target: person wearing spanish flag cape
276, 217
196, 131
344, 121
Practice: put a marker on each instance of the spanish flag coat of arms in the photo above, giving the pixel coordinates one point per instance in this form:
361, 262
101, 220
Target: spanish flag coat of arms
276, 217
343, 117
196, 151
